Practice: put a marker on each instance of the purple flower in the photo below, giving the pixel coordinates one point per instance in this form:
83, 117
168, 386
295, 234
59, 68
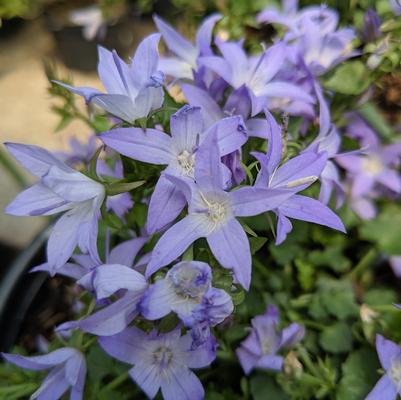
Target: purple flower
322, 52
186, 54
371, 26
162, 361
60, 188
215, 307
124, 253
256, 74
389, 385
81, 152
396, 6
294, 175
133, 90
68, 369
322, 17
395, 263
114, 278
92, 21
212, 214
186, 290
177, 151
259, 349
376, 167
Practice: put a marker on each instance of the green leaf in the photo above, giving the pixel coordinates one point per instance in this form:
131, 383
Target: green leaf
349, 78
338, 298
256, 243
385, 230
336, 338
122, 187
378, 297
306, 274
263, 387
358, 375
99, 364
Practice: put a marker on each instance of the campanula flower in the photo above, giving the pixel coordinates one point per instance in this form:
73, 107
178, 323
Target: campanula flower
116, 277
133, 90
68, 370
294, 175
212, 214
255, 73
59, 189
162, 361
177, 152
389, 385
260, 348
186, 54
185, 290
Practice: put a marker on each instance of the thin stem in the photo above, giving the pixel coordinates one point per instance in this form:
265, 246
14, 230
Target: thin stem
117, 381
366, 261
12, 168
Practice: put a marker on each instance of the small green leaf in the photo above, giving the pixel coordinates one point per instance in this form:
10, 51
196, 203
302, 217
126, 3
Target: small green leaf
349, 78
336, 338
358, 375
256, 243
122, 187
264, 387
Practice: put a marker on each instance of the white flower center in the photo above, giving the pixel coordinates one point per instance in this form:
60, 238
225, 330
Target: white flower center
186, 160
266, 345
395, 372
372, 165
162, 357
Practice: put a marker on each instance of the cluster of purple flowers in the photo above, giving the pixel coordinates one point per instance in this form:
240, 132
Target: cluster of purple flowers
202, 192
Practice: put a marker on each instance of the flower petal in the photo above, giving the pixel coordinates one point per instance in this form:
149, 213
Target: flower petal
110, 320
109, 278
186, 126
210, 110
147, 377
165, 205
387, 351
307, 209
248, 201
204, 34
118, 105
157, 300
230, 246
125, 252
149, 145
37, 200
176, 43
175, 241
383, 390
35, 159
182, 384
38, 363
128, 346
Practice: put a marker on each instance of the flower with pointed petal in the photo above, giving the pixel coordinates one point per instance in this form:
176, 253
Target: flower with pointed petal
389, 385
211, 214
177, 151
132, 90
295, 175
162, 361
186, 54
60, 188
68, 369
256, 74
259, 349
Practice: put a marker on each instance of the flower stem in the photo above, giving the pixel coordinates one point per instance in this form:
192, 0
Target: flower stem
117, 381
366, 261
